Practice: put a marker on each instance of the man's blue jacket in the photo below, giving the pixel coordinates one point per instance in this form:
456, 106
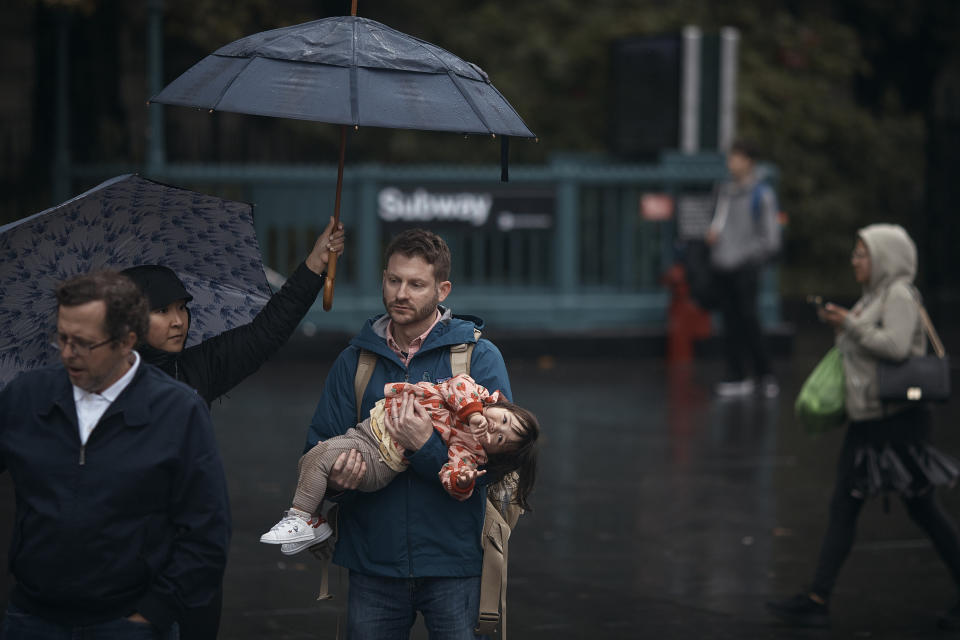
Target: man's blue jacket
412, 528
136, 520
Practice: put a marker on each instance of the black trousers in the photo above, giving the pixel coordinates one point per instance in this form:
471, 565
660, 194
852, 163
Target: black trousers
743, 336
923, 507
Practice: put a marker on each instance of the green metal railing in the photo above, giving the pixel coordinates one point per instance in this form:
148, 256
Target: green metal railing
596, 266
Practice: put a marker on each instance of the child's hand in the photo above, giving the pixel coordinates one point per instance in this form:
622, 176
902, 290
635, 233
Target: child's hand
478, 424
466, 477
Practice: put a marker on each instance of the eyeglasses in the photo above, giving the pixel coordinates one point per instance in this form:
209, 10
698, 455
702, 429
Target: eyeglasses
859, 255
80, 347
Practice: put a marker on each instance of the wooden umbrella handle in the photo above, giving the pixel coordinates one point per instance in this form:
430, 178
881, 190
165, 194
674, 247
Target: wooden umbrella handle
328, 284
331, 256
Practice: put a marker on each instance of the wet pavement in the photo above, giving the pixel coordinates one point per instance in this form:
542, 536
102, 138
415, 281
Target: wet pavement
660, 512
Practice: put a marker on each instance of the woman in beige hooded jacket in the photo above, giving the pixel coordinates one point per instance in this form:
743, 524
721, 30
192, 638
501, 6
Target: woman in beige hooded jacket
887, 446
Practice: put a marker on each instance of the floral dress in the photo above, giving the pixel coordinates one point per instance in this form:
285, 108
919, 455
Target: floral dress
450, 405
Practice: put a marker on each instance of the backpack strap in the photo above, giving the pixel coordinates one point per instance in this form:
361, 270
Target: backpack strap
500, 518
365, 365
493, 581
460, 355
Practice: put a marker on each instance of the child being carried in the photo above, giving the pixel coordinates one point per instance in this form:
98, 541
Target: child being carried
480, 429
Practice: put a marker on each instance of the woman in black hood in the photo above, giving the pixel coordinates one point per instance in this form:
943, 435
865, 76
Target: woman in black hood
216, 365
220, 363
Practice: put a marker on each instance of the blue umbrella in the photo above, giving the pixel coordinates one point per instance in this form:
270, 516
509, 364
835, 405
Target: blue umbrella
353, 72
124, 222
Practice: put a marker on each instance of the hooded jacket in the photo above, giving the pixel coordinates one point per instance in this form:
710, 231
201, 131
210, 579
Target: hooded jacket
412, 528
884, 324
746, 224
218, 364
135, 520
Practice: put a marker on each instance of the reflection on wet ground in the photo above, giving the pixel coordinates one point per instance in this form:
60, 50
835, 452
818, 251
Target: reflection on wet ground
660, 512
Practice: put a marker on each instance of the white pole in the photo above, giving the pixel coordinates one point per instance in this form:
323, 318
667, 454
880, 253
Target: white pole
690, 91
729, 60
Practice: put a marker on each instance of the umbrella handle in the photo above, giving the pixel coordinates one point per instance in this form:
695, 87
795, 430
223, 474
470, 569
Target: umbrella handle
332, 257
329, 284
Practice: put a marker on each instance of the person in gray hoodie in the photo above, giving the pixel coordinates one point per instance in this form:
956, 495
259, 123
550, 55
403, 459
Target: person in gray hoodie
743, 236
887, 445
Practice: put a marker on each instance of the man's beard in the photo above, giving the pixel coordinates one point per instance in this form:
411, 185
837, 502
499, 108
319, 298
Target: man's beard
420, 313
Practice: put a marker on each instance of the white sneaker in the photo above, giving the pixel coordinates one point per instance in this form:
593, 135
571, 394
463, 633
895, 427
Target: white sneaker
292, 528
735, 388
321, 531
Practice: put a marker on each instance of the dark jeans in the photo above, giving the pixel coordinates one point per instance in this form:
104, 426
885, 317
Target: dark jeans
743, 336
923, 508
386, 608
20, 625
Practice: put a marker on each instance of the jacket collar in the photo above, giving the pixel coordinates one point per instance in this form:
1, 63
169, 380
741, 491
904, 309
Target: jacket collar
132, 402
451, 329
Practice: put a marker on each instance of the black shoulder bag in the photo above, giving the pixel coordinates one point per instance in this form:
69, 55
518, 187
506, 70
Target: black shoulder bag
923, 378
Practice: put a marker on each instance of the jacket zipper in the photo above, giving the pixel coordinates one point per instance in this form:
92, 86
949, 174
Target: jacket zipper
83, 454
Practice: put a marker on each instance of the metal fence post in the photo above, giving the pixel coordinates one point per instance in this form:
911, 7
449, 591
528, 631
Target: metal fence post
567, 257
367, 233
156, 143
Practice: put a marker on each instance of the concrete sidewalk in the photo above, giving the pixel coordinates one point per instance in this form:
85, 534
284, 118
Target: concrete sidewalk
660, 512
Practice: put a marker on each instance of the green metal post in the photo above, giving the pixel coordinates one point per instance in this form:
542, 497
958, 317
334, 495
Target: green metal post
567, 258
156, 138
367, 233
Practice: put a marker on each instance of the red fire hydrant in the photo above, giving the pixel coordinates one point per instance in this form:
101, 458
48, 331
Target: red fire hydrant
686, 321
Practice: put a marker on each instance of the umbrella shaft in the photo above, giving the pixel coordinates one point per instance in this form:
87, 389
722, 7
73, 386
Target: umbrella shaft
340, 163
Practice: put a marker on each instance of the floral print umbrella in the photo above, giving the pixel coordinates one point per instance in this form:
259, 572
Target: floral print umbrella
127, 221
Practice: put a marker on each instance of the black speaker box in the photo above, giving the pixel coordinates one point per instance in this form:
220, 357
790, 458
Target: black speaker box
645, 96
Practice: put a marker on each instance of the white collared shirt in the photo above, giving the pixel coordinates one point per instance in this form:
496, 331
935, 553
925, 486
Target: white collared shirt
91, 406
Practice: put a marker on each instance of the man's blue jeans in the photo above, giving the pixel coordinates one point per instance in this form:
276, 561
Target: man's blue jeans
20, 625
386, 608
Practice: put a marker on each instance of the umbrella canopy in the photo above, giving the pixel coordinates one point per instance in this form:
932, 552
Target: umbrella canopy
351, 71
127, 221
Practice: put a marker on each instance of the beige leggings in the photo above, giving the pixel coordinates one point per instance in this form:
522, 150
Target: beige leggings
315, 466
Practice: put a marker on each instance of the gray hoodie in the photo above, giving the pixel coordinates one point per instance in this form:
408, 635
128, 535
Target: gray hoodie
884, 324
745, 237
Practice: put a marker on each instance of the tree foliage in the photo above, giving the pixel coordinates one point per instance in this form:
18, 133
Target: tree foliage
837, 92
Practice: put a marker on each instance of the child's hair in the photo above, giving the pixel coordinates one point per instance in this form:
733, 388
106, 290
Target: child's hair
523, 459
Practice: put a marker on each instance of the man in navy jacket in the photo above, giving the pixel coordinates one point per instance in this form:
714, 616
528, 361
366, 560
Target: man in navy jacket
122, 516
409, 547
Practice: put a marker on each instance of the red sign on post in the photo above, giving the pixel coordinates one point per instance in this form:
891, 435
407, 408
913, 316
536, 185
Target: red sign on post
656, 207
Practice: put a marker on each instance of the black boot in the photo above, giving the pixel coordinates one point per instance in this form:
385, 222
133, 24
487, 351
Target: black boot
800, 611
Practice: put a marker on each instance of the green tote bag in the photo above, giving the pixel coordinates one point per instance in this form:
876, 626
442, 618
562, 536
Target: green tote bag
820, 403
